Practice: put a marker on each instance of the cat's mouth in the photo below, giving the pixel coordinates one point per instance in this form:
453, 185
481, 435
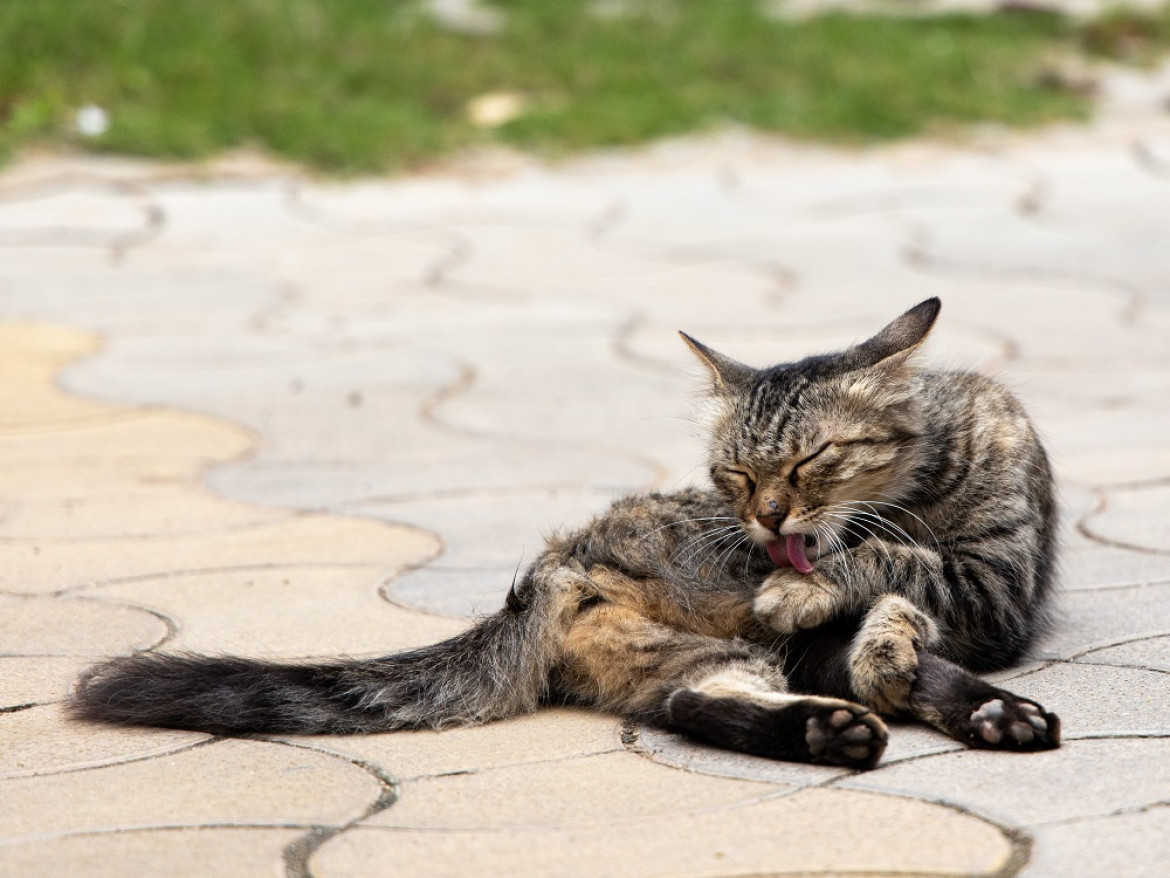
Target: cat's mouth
793, 551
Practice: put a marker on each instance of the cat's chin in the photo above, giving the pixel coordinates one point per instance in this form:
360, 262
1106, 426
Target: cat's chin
792, 551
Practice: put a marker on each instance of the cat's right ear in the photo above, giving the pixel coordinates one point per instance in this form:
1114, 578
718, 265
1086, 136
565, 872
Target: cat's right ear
727, 375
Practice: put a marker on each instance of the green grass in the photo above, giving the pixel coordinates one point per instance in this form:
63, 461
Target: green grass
376, 85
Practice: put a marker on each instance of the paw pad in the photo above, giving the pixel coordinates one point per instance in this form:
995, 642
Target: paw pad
854, 738
1007, 723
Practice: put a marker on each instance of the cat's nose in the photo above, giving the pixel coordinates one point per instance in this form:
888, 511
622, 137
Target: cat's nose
771, 514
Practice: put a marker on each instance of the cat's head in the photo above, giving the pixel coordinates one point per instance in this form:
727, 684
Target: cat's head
798, 449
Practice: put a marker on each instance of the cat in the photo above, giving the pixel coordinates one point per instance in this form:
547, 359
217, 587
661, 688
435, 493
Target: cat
874, 533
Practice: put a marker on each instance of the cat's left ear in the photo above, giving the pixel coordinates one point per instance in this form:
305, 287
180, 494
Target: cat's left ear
890, 349
727, 375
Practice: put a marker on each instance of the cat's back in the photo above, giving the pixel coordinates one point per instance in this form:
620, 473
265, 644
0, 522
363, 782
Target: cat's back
986, 454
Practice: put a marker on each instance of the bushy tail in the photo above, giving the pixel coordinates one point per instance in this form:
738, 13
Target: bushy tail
498, 668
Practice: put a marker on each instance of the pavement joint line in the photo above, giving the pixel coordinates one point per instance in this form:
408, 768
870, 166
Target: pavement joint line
1019, 839
243, 527
1120, 812
296, 854
1119, 586
1120, 641
429, 411
7, 841
1135, 298
161, 753
172, 626
503, 766
183, 573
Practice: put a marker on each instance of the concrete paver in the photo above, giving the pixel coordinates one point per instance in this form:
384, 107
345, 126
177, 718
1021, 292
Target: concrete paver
794, 834
226, 782
190, 852
247, 412
1132, 844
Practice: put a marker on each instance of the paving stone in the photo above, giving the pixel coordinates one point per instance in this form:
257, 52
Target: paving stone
79, 215
320, 610
1100, 566
226, 852
677, 751
139, 295
371, 266
1011, 245
1026, 789
1154, 155
1134, 518
45, 567
129, 441
549, 736
49, 626
1095, 700
164, 510
230, 782
813, 831
45, 741
1084, 187
540, 260
1134, 845
30, 359
527, 197
36, 680
489, 538
1148, 652
1091, 618
607, 788
195, 215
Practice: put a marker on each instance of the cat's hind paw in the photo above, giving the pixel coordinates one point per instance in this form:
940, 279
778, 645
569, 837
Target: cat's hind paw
826, 731
850, 735
973, 711
1007, 722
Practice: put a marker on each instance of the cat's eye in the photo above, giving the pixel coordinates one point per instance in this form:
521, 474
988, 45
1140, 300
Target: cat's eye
808, 459
744, 478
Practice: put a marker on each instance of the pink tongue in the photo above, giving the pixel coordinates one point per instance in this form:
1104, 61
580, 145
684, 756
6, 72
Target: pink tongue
796, 553
776, 553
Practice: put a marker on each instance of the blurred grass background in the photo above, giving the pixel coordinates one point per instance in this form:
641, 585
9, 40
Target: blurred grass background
381, 85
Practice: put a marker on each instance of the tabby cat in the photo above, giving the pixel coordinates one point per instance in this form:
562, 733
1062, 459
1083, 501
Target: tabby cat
876, 532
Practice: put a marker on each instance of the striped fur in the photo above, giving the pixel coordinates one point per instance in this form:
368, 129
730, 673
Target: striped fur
924, 503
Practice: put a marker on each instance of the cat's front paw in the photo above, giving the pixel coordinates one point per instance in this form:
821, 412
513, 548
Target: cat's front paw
789, 601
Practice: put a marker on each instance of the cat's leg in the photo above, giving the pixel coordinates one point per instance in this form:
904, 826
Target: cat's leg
849, 582
734, 707
873, 660
883, 661
883, 656
726, 692
981, 603
970, 709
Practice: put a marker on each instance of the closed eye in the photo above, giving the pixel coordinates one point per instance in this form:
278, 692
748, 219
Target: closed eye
803, 461
745, 477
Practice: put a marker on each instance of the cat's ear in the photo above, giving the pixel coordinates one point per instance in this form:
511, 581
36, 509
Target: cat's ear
727, 375
890, 349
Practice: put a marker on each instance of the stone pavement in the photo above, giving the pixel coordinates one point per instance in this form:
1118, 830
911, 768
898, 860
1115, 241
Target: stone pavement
246, 411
